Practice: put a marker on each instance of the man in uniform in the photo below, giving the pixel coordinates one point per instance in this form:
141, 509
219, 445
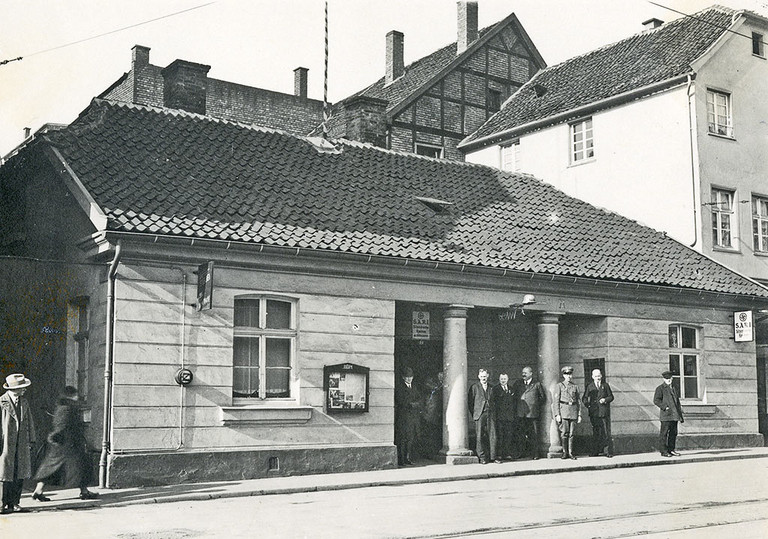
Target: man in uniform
670, 412
567, 410
597, 399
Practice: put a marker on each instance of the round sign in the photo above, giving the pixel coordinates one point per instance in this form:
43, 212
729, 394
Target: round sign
183, 377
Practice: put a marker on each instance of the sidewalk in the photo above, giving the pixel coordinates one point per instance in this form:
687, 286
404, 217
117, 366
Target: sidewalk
422, 472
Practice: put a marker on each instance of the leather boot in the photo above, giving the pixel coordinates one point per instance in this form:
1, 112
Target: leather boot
570, 448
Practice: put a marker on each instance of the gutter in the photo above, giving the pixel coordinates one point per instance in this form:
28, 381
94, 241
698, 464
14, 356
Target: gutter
691, 136
570, 113
108, 359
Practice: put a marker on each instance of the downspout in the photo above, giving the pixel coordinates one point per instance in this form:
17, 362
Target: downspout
693, 167
108, 358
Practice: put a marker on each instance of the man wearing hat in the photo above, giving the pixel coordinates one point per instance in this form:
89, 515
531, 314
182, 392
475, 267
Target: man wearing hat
670, 412
567, 410
17, 433
407, 417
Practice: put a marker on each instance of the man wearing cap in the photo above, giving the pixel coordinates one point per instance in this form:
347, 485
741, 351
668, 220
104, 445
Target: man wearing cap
670, 412
407, 417
567, 411
17, 433
480, 407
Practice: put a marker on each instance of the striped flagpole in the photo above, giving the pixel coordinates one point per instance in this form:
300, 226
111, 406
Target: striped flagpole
325, 78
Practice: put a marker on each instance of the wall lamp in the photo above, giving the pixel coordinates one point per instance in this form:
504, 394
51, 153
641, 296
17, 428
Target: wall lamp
528, 299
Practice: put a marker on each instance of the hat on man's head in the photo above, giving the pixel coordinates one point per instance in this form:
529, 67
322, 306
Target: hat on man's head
566, 370
408, 372
666, 374
16, 381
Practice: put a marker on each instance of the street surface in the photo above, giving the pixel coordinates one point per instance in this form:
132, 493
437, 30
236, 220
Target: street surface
722, 499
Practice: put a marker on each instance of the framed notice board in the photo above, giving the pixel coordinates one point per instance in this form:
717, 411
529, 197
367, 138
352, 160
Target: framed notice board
346, 388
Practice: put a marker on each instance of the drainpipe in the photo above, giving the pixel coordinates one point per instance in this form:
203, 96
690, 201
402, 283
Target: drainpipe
693, 167
110, 323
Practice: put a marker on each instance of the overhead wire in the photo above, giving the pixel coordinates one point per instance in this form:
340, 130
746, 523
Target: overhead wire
19, 58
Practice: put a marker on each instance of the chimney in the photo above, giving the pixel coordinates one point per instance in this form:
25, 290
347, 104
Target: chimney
27, 132
300, 82
467, 25
650, 24
395, 65
140, 57
186, 86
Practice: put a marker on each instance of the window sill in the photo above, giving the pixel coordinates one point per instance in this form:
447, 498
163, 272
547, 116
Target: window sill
726, 249
762, 57
760, 253
724, 137
266, 414
698, 409
582, 162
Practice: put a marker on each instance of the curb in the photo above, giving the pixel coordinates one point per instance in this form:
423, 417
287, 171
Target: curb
191, 497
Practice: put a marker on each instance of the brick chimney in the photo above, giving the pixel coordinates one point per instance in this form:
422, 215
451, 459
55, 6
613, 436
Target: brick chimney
395, 65
186, 86
650, 24
365, 120
300, 75
140, 57
467, 25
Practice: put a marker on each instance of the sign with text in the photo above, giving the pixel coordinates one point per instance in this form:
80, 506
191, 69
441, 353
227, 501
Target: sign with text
420, 325
204, 286
742, 326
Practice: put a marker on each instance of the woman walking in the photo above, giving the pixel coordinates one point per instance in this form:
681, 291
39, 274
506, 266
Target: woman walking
66, 460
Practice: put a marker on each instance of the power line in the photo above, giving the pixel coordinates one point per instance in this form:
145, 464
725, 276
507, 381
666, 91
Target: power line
3, 62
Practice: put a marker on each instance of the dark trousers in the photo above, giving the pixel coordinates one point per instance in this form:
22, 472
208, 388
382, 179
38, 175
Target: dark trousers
601, 435
483, 433
668, 436
501, 439
567, 430
11, 491
527, 436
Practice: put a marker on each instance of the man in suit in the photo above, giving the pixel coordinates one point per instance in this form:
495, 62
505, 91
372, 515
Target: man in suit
407, 417
530, 398
597, 399
479, 406
670, 412
566, 407
503, 403
17, 434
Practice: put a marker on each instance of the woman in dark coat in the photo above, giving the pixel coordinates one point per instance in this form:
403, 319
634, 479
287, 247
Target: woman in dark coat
66, 460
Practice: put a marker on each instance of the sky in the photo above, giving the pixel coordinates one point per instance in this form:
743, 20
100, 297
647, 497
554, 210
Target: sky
72, 50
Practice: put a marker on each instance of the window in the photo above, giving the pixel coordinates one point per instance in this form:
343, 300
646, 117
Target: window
76, 369
757, 44
582, 144
722, 216
429, 150
510, 157
684, 361
719, 113
493, 100
264, 347
760, 223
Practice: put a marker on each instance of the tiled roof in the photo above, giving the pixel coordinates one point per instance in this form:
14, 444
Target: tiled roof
631, 64
179, 174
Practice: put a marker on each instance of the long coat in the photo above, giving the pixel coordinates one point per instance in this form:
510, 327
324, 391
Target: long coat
408, 409
668, 402
66, 447
530, 398
592, 396
16, 431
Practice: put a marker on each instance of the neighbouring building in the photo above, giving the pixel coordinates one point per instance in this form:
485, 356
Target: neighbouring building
237, 301
426, 107
665, 127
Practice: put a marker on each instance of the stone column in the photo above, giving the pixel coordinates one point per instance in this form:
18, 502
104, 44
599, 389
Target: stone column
549, 375
455, 411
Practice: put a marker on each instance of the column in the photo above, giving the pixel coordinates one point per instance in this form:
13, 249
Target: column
455, 411
549, 375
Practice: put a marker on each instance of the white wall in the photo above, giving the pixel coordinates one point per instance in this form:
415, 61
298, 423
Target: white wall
642, 164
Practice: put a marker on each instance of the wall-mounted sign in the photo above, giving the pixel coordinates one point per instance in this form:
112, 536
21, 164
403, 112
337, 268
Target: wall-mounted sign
346, 388
183, 377
420, 325
204, 286
743, 330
